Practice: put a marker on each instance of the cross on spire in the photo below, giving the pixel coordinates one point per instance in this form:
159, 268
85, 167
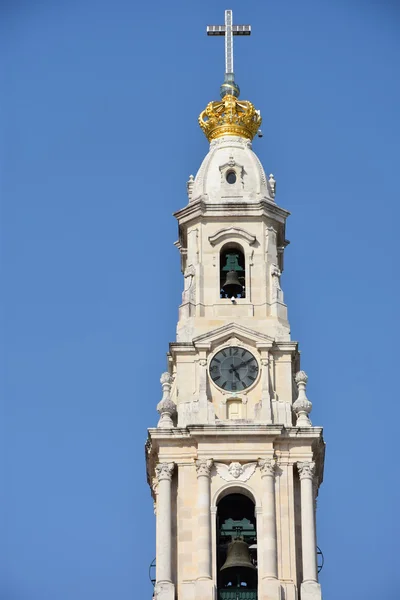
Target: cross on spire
229, 30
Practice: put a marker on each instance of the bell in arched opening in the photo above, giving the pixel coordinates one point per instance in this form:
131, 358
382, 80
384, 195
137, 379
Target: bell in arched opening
232, 277
238, 570
238, 556
232, 286
236, 549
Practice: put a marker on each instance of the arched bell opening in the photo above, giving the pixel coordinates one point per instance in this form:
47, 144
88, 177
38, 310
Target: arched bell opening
236, 548
232, 275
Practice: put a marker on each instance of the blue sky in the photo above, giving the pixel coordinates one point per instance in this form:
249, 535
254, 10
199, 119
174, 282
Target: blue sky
98, 137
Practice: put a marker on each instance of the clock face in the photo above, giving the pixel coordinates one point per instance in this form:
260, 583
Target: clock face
234, 369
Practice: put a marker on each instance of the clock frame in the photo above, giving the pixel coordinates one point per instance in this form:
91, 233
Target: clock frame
234, 369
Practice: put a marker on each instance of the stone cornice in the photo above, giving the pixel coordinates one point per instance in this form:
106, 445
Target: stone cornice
201, 207
183, 446
230, 429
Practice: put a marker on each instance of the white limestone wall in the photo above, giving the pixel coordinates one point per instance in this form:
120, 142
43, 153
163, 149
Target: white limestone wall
263, 308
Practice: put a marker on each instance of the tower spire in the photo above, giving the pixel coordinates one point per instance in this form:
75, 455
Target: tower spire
229, 30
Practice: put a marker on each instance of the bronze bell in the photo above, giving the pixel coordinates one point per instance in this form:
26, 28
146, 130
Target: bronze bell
232, 285
238, 555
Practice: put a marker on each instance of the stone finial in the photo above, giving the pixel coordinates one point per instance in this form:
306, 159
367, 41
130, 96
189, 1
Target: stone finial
166, 407
189, 186
302, 407
272, 185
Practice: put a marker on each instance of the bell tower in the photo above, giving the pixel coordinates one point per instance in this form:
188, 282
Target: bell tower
234, 464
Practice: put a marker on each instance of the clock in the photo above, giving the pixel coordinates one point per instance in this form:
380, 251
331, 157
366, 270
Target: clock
233, 369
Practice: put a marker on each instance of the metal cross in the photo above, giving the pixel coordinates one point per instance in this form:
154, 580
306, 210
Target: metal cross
228, 30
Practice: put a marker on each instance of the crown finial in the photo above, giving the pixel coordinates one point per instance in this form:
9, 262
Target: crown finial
230, 116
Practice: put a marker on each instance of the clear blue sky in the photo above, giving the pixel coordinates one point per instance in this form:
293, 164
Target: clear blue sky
98, 137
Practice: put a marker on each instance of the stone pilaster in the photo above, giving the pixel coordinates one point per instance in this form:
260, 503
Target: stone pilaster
269, 585
204, 584
164, 589
310, 588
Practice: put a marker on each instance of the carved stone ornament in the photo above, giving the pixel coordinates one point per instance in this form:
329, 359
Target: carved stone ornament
235, 471
276, 285
164, 471
189, 186
203, 467
267, 467
188, 294
272, 185
306, 470
166, 407
302, 406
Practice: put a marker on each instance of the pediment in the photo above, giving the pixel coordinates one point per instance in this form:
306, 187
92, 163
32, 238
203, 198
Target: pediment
236, 334
232, 233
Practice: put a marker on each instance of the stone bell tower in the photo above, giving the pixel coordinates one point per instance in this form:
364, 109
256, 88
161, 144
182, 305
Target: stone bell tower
234, 463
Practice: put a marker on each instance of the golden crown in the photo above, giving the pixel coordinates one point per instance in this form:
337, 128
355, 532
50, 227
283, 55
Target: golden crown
230, 116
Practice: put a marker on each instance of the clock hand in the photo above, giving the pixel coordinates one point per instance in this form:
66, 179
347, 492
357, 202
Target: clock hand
244, 363
237, 375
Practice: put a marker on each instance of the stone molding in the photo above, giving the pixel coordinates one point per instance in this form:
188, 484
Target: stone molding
306, 470
222, 334
164, 471
231, 233
204, 466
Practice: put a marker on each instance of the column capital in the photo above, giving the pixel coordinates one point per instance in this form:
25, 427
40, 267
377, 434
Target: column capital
267, 466
164, 471
306, 470
203, 467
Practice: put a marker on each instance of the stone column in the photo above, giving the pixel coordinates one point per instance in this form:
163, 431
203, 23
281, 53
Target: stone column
270, 587
310, 588
164, 589
204, 584
203, 468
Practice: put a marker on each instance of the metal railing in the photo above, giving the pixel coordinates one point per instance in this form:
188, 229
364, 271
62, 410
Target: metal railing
237, 594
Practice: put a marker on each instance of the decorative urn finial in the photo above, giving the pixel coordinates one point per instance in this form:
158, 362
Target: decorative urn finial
166, 407
302, 407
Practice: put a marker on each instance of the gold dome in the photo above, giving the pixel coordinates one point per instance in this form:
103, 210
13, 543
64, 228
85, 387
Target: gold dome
230, 116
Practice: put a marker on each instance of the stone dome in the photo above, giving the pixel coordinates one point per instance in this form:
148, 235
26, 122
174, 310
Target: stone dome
231, 170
